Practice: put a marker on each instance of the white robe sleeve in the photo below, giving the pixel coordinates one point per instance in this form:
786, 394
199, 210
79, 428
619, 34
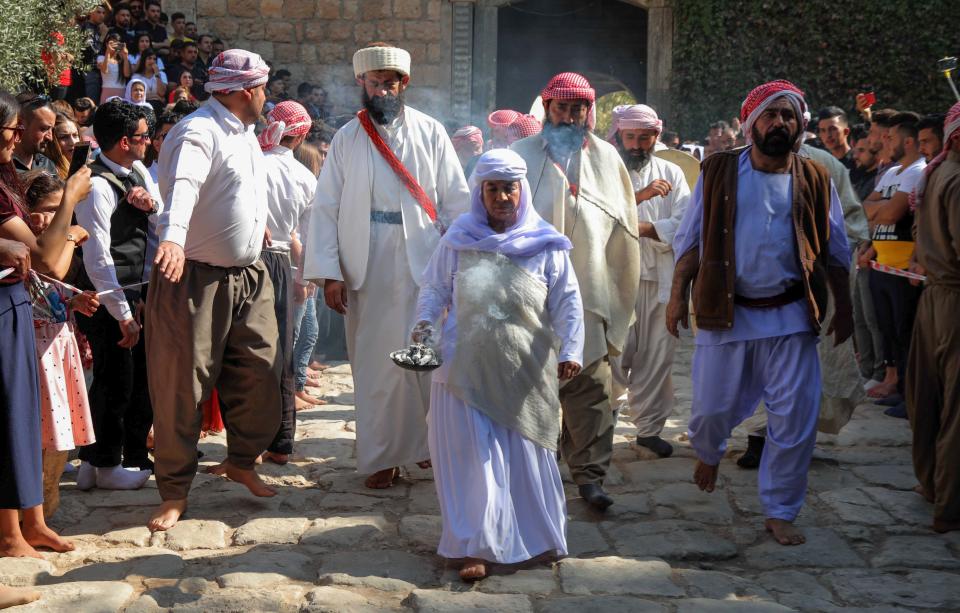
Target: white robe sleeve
321, 259
565, 305
679, 201
436, 291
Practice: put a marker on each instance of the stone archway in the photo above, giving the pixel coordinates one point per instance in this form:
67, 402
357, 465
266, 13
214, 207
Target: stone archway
476, 46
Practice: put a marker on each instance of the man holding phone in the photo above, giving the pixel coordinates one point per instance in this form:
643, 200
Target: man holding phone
120, 215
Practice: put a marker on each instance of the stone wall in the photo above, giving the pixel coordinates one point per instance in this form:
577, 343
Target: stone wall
315, 40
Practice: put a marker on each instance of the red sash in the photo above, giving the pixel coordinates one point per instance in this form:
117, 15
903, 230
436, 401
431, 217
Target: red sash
401, 171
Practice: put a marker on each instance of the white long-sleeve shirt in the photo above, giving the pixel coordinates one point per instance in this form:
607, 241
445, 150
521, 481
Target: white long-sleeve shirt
213, 181
93, 215
665, 213
290, 188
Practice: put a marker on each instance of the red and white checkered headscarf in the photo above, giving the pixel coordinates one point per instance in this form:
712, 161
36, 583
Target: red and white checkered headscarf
762, 96
951, 133
234, 70
288, 118
467, 134
634, 117
569, 86
524, 126
502, 118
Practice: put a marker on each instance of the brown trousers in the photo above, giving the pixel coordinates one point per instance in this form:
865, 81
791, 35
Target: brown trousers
586, 440
215, 328
933, 398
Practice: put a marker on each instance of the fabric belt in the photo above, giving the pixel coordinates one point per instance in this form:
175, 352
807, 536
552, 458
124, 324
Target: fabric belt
791, 294
277, 250
390, 217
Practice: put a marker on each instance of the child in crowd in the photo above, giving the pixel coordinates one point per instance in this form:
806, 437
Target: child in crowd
65, 420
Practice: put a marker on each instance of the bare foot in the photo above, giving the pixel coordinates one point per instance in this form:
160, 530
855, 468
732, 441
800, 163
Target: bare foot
150, 443
784, 532
17, 547
473, 569
919, 489
425, 464
313, 380
250, 479
382, 479
942, 525
43, 536
307, 398
276, 458
318, 366
883, 390
167, 515
705, 476
217, 469
16, 596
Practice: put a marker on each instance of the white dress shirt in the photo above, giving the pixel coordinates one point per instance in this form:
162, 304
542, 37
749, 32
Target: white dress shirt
290, 188
665, 213
213, 181
93, 214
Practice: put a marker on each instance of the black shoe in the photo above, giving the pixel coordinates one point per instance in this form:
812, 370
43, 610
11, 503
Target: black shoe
657, 445
595, 496
751, 457
142, 464
898, 411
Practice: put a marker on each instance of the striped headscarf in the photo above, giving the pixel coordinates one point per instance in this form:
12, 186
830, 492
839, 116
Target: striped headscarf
234, 70
762, 96
289, 118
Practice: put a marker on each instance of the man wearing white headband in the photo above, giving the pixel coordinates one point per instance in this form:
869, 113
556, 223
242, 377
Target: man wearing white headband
210, 303
762, 240
389, 184
662, 196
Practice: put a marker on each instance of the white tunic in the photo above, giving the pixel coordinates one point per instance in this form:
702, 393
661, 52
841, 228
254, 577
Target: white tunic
665, 213
290, 189
213, 182
382, 264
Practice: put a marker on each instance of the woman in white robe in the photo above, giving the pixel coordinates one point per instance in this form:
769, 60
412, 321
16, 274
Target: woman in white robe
502, 284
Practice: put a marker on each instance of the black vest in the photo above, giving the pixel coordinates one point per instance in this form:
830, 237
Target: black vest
128, 229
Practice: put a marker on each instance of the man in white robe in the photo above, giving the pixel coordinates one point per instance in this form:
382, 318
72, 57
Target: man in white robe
662, 195
370, 253
581, 186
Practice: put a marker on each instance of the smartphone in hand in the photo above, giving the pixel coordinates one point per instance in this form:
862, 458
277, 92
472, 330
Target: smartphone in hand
81, 151
870, 98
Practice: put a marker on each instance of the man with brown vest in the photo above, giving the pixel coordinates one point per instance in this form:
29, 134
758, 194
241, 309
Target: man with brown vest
760, 301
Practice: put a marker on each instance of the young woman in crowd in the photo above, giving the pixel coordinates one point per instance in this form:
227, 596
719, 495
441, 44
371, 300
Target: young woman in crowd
21, 472
185, 83
66, 135
65, 421
114, 67
148, 69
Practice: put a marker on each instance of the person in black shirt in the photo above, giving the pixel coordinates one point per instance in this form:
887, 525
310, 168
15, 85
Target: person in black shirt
863, 175
152, 26
38, 119
833, 130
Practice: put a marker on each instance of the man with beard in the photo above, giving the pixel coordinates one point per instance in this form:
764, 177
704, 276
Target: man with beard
662, 196
390, 182
894, 298
210, 305
762, 240
582, 187
934, 364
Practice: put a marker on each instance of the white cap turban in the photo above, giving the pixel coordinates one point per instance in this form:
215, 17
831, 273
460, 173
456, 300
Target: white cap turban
381, 58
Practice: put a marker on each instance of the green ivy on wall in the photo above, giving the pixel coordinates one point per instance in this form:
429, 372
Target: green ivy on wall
830, 50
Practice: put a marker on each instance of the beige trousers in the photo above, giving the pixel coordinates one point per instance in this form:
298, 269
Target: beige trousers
215, 328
